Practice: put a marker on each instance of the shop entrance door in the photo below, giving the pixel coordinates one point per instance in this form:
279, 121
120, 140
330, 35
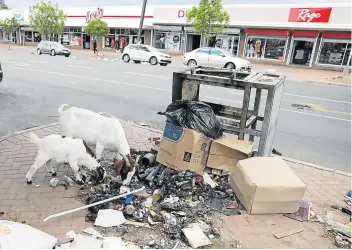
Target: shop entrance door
86, 41
302, 51
193, 42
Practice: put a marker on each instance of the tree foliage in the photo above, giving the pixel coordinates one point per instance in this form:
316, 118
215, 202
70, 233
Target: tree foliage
97, 28
209, 17
48, 19
9, 25
3, 7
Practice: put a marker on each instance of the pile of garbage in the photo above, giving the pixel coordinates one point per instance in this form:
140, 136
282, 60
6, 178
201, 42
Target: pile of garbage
171, 201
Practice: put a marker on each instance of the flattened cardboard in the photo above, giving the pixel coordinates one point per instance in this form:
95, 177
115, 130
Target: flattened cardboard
226, 152
267, 185
183, 149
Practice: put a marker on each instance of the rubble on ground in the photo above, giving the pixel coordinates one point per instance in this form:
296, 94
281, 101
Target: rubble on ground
172, 200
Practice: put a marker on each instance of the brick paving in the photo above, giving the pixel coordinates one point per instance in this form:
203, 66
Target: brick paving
31, 204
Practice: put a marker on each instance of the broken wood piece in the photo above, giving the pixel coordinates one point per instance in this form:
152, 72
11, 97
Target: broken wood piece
92, 205
109, 218
288, 233
91, 231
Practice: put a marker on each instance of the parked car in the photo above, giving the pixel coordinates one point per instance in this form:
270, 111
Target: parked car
1, 73
52, 48
145, 53
216, 58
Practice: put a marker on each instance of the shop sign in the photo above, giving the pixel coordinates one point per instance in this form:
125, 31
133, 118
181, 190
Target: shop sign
182, 13
309, 15
19, 16
97, 14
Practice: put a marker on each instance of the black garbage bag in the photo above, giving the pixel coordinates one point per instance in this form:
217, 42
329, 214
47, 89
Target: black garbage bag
194, 115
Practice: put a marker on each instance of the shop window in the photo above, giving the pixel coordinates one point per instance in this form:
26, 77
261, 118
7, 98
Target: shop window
266, 48
225, 42
111, 41
133, 31
167, 40
28, 36
112, 31
334, 53
72, 39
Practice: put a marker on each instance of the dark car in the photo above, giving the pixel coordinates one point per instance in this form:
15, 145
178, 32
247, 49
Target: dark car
1, 73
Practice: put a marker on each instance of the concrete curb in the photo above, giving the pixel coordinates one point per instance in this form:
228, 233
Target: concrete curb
308, 164
312, 165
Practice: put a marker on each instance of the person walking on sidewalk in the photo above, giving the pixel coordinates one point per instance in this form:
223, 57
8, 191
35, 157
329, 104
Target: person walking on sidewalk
124, 44
95, 46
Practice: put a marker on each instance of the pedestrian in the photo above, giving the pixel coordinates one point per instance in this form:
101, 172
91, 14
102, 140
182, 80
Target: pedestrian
124, 44
95, 46
140, 41
117, 45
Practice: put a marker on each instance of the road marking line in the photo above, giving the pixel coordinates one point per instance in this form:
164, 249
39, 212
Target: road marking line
287, 110
5, 58
133, 73
318, 98
238, 93
38, 62
78, 66
90, 78
147, 87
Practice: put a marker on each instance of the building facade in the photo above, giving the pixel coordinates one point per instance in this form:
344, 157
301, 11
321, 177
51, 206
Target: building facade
305, 35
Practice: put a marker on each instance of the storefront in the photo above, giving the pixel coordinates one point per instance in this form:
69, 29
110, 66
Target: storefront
262, 44
305, 35
335, 49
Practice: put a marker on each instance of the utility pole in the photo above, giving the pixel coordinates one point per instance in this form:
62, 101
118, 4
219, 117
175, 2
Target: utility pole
346, 69
141, 21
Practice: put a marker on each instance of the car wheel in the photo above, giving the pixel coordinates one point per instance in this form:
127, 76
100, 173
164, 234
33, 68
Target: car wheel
126, 58
230, 66
163, 64
153, 60
52, 53
191, 63
39, 52
67, 55
137, 62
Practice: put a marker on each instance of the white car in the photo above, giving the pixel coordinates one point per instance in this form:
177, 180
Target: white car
216, 58
145, 53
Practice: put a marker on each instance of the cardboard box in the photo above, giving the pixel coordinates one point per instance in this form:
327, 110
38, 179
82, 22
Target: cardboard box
226, 152
183, 149
267, 185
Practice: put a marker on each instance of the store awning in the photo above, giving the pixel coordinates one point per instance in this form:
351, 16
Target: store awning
167, 28
305, 33
268, 32
340, 35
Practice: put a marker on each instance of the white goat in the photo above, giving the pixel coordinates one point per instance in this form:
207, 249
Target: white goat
98, 130
62, 149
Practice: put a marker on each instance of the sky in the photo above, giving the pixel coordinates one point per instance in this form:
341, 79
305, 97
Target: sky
24, 4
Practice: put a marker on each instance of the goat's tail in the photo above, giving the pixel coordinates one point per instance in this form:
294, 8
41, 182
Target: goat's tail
62, 108
33, 138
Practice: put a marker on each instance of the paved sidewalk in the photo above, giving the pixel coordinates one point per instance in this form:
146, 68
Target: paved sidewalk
31, 204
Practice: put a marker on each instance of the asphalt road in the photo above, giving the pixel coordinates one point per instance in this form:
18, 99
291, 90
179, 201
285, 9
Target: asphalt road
34, 87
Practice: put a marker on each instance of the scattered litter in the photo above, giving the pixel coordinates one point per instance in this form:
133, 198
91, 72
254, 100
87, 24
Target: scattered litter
151, 243
195, 236
129, 210
211, 236
14, 235
269, 222
2, 214
54, 182
349, 193
288, 233
85, 242
112, 242
129, 199
148, 159
109, 218
124, 189
301, 106
143, 124
91, 231
303, 213
71, 234
91, 205
136, 224
176, 245
37, 186
151, 222
208, 180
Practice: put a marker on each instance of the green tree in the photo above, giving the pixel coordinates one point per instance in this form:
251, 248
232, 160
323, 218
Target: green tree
9, 26
4, 7
97, 28
48, 19
208, 18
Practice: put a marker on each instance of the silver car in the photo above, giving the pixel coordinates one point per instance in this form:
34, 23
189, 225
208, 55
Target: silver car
145, 53
216, 58
52, 48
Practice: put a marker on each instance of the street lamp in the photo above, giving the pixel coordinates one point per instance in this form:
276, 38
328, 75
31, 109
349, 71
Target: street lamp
141, 21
